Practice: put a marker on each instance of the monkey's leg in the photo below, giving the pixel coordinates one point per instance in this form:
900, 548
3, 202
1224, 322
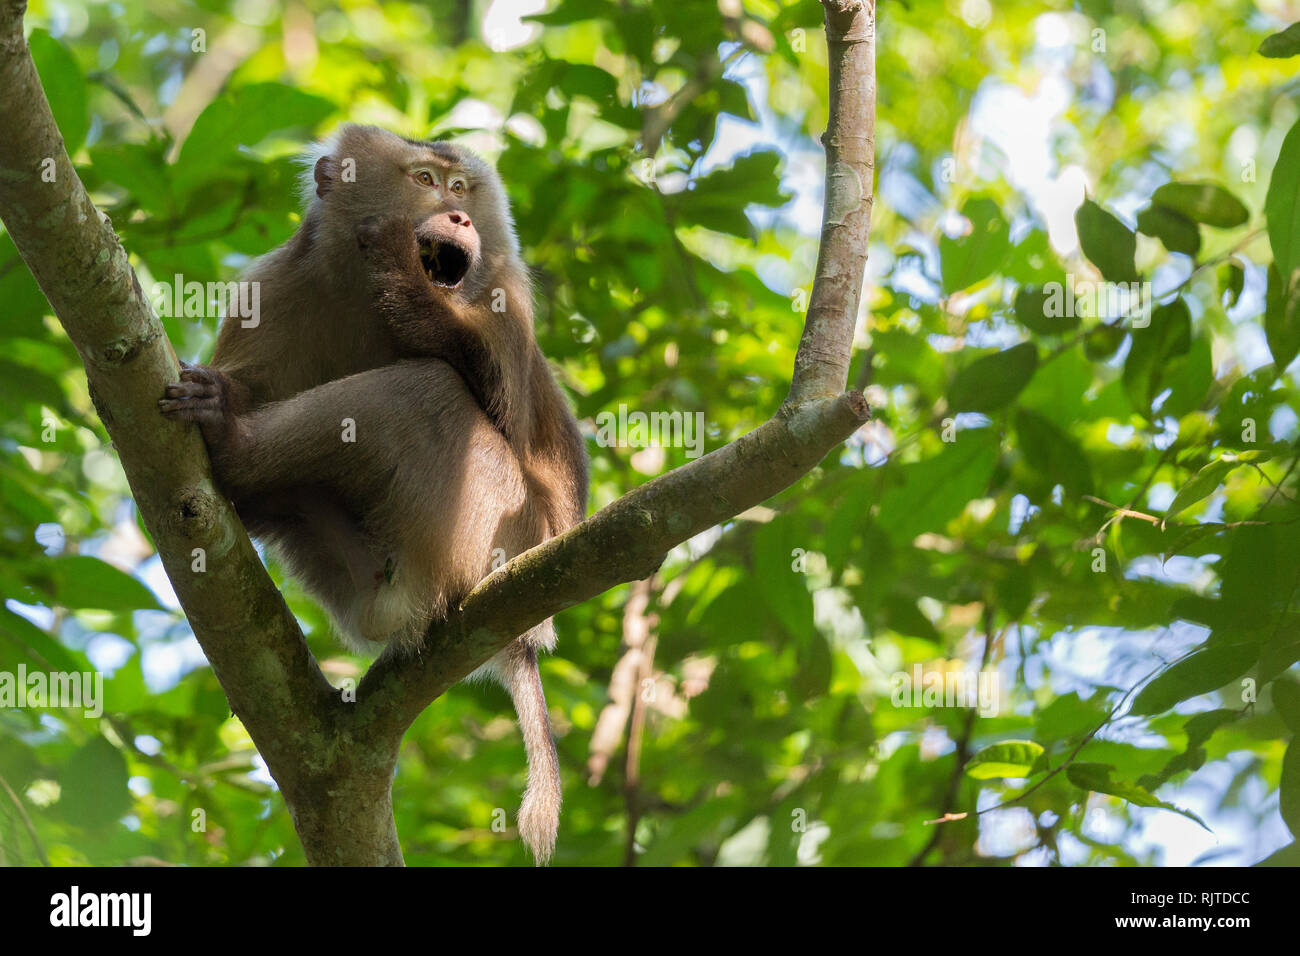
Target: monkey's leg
435, 483
407, 451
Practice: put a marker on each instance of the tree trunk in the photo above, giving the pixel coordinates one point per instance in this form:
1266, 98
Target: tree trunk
346, 819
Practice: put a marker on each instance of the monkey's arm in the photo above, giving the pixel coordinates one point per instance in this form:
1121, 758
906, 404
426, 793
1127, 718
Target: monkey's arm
424, 321
318, 435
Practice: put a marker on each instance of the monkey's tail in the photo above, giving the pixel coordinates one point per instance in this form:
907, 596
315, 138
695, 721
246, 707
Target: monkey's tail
539, 814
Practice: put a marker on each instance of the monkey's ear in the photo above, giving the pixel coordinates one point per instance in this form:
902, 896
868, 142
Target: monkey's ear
324, 173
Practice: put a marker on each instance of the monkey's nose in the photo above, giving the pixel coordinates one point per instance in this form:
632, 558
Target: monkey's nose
459, 219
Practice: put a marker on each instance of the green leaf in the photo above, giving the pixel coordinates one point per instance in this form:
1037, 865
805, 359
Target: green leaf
1283, 44
1250, 575
1201, 485
583, 79
93, 786
1286, 699
1209, 203
1282, 319
993, 381
1289, 789
1198, 729
1069, 716
1044, 312
902, 615
1108, 243
1010, 758
64, 86
785, 590
1168, 334
1053, 453
1232, 279
1176, 231
1199, 673
1278, 653
1096, 778
573, 11
1103, 341
973, 257
717, 201
139, 168
935, 491
35, 645
1282, 207
84, 583
242, 119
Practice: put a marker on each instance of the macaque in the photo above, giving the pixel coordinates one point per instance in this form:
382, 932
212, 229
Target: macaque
389, 424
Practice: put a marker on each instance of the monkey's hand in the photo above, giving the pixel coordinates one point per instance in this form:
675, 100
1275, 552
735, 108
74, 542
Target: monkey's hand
203, 395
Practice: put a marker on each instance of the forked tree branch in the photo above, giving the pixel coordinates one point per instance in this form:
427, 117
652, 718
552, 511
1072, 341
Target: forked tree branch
246, 630
334, 760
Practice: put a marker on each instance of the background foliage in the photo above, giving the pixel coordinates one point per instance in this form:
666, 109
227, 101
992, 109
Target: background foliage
974, 521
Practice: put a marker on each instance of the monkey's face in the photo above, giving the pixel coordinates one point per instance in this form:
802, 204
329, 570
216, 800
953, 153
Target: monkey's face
448, 198
454, 200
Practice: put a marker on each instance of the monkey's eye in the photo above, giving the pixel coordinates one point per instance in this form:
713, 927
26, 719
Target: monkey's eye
458, 187
424, 177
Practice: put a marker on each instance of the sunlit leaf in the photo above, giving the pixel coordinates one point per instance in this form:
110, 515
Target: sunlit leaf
1282, 207
1283, 44
1010, 758
1096, 778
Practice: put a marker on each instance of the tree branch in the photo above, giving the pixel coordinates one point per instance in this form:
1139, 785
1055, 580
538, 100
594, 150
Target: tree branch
821, 366
334, 761
240, 619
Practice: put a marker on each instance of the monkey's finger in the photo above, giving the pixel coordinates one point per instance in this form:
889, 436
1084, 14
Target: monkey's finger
197, 373
189, 390
184, 413
186, 407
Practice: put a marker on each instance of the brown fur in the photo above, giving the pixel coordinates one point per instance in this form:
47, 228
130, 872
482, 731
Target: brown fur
463, 441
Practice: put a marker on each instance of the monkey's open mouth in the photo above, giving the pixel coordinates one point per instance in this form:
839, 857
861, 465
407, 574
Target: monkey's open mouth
445, 263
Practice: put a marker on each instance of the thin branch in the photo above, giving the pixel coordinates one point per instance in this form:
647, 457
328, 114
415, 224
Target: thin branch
821, 366
639, 635
27, 822
961, 755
